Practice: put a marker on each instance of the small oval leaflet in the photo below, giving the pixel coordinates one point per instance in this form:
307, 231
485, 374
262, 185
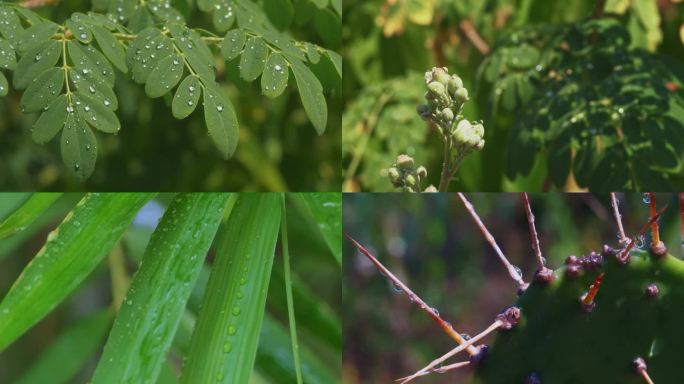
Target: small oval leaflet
274, 78
8, 59
36, 61
111, 47
79, 147
88, 59
95, 113
186, 98
43, 90
95, 86
253, 58
224, 16
166, 74
79, 30
221, 121
35, 35
311, 93
232, 44
51, 121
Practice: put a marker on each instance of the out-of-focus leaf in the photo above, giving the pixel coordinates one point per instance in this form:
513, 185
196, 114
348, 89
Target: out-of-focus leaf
27, 213
72, 349
71, 252
326, 209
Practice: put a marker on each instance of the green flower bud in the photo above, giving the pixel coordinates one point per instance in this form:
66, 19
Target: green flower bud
421, 172
454, 83
478, 129
437, 74
423, 111
404, 162
461, 95
431, 189
463, 131
410, 180
447, 114
438, 90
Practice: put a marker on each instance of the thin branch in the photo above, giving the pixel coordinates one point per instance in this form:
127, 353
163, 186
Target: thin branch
443, 369
641, 368
446, 326
624, 254
430, 367
533, 231
655, 233
512, 270
618, 218
471, 33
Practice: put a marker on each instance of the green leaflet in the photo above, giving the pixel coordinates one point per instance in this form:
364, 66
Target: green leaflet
78, 146
280, 12
43, 90
145, 51
326, 209
152, 309
161, 9
276, 73
35, 35
165, 75
226, 336
111, 47
94, 86
51, 121
96, 113
37, 60
253, 59
232, 43
79, 30
8, 59
27, 213
194, 51
71, 252
336, 59
186, 98
87, 59
10, 25
69, 353
312, 53
311, 93
4, 87
224, 16
221, 121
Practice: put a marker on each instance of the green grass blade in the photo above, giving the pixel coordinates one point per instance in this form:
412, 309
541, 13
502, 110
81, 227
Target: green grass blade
226, 337
67, 355
70, 254
27, 213
288, 292
152, 309
326, 209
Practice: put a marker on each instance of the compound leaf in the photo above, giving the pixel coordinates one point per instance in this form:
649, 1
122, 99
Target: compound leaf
253, 59
194, 50
111, 47
37, 60
165, 75
155, 302
71, 253
311, 93
232, 44
43, 90
186, 98
51, 121
79, 146
221, 121
95, 113
276, 73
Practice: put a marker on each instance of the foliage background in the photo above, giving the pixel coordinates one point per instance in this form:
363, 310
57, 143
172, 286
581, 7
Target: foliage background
315, 273
278, 148
387, 49
431, 243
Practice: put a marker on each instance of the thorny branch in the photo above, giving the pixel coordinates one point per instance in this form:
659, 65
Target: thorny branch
618, 219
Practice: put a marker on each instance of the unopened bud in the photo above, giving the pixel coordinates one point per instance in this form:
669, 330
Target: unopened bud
461, 95
447, 114
454, 83
431, 189
394, 176
437, 90
410, 180
404, 162
421, 172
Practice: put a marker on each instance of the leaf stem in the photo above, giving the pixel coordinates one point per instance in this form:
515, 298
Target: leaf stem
288, 291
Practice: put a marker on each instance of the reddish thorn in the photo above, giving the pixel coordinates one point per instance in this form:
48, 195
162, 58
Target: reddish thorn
588, 299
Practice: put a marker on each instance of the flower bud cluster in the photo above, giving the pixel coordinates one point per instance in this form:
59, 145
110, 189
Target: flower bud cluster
403, 174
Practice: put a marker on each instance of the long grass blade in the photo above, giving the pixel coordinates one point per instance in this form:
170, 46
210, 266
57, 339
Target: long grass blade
27, 213
68, 354
70, 254
154, 304
226, 337
288, 292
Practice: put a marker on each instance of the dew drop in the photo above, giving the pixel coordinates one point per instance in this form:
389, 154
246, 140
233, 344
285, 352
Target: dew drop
87, 108
191, 89
84, 36
85, 71
227, 347
236, 311
397, 288
646, 198
219, 108
232, 330
106, 103
190, 103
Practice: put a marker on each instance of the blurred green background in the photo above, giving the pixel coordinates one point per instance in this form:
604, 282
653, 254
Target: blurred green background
388, 45
316, 290
278, 148
432, 244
